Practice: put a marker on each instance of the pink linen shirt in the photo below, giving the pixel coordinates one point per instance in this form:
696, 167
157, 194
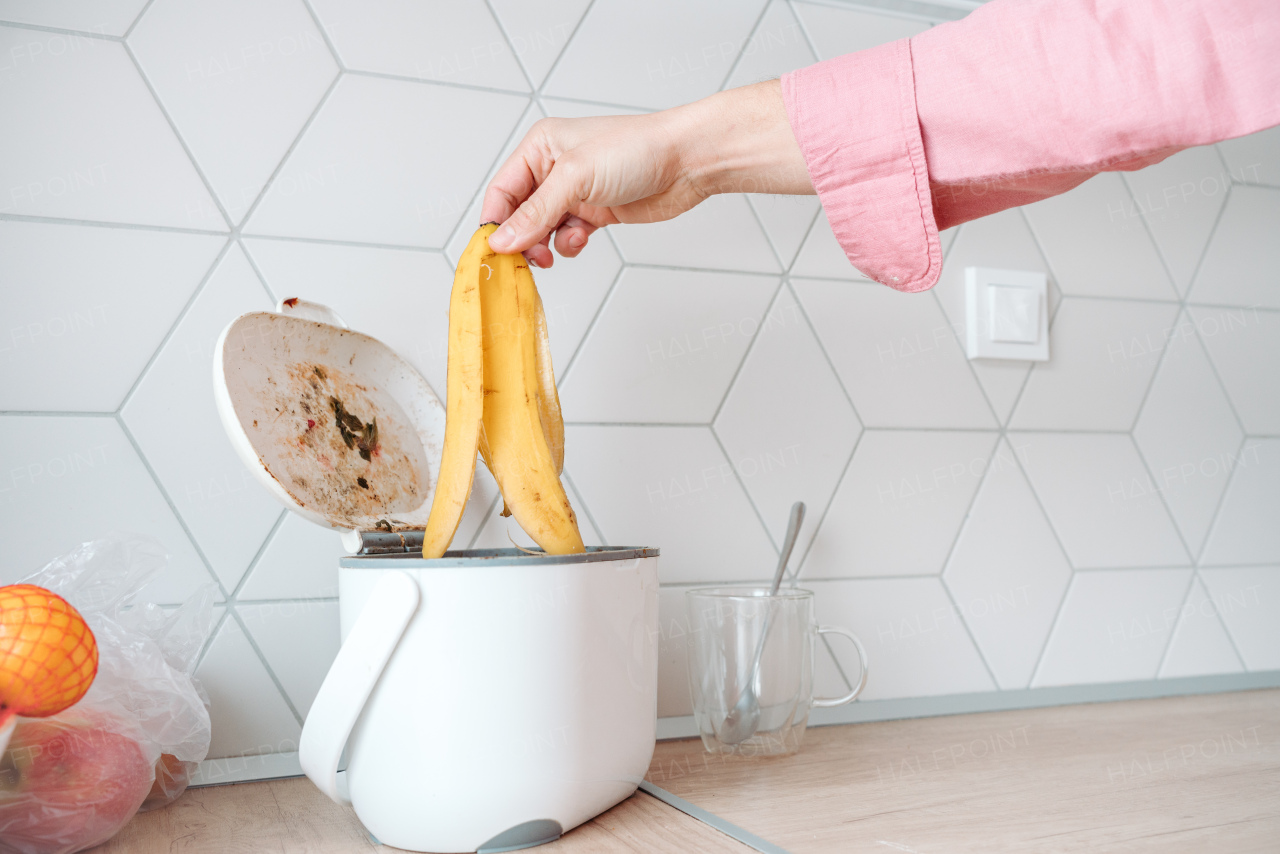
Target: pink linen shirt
1019, 101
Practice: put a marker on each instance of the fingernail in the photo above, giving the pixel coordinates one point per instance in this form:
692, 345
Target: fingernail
533, 263
504, 236
577, 241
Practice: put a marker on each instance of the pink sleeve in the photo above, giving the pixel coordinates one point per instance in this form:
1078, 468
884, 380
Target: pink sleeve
1019, 101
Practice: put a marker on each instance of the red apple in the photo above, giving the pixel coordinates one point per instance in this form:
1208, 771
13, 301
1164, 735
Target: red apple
69, 783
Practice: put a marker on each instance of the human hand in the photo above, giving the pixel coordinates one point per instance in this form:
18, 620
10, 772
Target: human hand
572, 176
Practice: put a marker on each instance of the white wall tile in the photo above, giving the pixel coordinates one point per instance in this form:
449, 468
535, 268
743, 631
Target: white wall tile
299, 641
1239, 265
85, 308
1104, 506
84, 474
452, 42
673, 488
538, 31
673, 653
1179, 199
369, 168
777, 45
300, 561
94, 144
1188, 434
1246, 530
721, 233
1252, 159
1097, 244
1244, 346
172, 412
916, 643
658, 54
836, 31
786, 424
1007, 573
896, 354
900, 504
1114, 626
786, 220
1248, 601
1200, 644
564, 109
1002, 241
1103, 354
666, 346
106, 17
399, 296
238, 79
821, 256
249, 714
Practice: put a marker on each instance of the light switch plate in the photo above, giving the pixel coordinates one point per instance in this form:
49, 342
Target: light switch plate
1006, 314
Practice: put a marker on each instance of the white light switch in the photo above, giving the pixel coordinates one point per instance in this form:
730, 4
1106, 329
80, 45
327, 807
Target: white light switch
1007, 314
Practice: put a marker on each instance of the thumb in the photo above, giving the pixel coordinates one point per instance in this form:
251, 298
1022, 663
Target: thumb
539, 214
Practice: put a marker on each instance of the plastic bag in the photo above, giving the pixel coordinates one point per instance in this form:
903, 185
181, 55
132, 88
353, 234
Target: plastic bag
71, 781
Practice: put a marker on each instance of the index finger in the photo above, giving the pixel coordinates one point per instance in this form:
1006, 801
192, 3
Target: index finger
511, 185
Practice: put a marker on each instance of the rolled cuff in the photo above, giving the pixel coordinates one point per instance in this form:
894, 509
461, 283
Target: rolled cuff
855, 119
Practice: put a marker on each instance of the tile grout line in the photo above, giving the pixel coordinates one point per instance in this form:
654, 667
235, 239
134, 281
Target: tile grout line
822, 517
324, 34
63, 31
742, 51
173, 327
737, 476
138, 19
182, 141
955, 541
1173, 633
288, 153
804, 30
506, 37
1198, 558
1151, 478
356, 244
128, 226
751, 345
586, 336
586, 509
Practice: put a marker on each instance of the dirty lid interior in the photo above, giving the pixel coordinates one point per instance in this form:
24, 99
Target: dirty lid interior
333, 422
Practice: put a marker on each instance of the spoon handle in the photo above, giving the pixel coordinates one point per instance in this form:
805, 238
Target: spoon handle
793, 532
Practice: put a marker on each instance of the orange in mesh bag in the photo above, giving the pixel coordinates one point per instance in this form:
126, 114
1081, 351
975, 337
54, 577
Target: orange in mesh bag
71, 780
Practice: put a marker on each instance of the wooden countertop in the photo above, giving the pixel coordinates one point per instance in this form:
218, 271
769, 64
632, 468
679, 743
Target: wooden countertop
1195, 774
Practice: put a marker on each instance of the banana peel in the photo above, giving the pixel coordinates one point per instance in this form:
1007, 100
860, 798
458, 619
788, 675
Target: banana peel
520, 434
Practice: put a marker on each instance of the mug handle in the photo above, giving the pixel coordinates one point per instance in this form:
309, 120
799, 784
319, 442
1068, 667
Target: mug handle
351, 679
826, 703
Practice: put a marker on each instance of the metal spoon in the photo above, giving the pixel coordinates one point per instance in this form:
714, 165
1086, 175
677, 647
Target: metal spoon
742, 720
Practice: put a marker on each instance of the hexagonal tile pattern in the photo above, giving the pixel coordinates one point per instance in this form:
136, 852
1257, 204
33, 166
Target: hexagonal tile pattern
538, 31
1180, 199
252, 716
722, 233
916, 642
776, 46
672, 53
112, 18
1188, 434
1114, 626
213, 489
85, 473
238, 79
368, 169
900, 505
86, 307
1100, 499
1245, 530
1200, 644
836, 31
399, 296
1002, 241
1097, 243
666, 346
786, 220
670, 487
1244, 346
300, 561
786, 424
299, 641
1007, 572
1242, 247
94, 146
1252, 159
820, 255
1248, 601
896, 354
456, 42
1103, 356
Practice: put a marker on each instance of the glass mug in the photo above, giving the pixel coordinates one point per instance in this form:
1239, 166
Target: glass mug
729, 627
